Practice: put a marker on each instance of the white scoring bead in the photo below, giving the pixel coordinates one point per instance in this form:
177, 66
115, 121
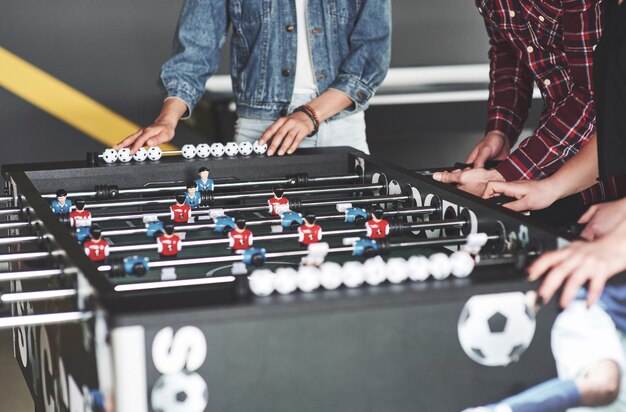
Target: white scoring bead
245, 148
109, 155
330, 275
462, 264
124, 155
418, 268
231, 149
203, 150
140, 155
353, 274
375, 271
259, 148
285, 280
397, 270
262, 282
439, 266
217, 150
188, 151
154, 153
308, 278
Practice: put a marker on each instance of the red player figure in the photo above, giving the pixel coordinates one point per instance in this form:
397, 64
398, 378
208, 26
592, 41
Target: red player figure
80, 216
278, 202
180, 212
377, 227
240, 238
309, 232
96, 248
169, 243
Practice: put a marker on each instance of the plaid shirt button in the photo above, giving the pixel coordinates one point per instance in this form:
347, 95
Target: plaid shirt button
547, 82
530, 49
512, 13
541, 19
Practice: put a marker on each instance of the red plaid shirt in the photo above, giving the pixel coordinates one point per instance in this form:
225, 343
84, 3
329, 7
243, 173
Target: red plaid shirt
548, 43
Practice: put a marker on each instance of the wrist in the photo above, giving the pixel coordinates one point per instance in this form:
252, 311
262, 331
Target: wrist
309, 112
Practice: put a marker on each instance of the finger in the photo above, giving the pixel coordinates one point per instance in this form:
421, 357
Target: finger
494, 188
483, 155
595, 289
546, 261
296, 143
586, 217
128, 140
277, 139
271, 131
287, 142
589, 232
573, 284
447, 177
159, 139
555, 278
143, 139
472, 156
521, 205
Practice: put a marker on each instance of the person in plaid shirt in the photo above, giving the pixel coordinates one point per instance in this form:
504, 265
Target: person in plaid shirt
549, 44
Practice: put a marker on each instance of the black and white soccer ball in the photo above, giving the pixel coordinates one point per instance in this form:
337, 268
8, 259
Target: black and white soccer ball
109, 156
188, 151
259, 148
231, 149
140, 155
180, 392
203, 150
217, 149
154, 153
123, 155
496, 329
245, 148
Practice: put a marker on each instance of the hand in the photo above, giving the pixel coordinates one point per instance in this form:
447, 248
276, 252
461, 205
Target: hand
494, 146
602, 219
153, 135
579, 263
530, 194
287, 133
472, 181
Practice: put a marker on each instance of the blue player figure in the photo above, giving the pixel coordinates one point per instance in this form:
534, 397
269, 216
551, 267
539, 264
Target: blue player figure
192, 197
205, 184
61, 205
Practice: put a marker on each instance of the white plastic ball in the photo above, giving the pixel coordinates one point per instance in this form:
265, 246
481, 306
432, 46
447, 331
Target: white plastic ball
140, 155
217, 150
231, 149
245, 148
462, 264
154, 153
262, 282
180, 392
259, 148
353, 274
331, 275
397, 270
203, 150
109, 156
285, 280
188, 151
439, 266
375, 271
124, 155
308, 278
418, 268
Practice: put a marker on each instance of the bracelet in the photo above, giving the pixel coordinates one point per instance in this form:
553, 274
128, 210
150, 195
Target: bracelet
308, 110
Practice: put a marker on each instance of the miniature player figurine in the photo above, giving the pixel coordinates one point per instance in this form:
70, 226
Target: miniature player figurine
80, 216
96, 248
205, 184
181, 211
169, 243
240, 238
377, 227
192, 196
278, 203
61, 205
309, 232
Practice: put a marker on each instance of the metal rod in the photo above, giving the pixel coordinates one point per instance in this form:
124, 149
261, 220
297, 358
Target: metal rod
9, 211
174, 283
13, 240
37, 296
453, 240
45, 319
14, 225
4, 199
380, 199
29, 274
12, 257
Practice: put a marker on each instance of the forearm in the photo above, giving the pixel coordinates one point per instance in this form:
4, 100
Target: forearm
578, 173
329, 103
172, 110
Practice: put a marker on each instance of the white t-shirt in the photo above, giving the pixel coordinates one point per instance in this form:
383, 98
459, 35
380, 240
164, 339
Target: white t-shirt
305, 81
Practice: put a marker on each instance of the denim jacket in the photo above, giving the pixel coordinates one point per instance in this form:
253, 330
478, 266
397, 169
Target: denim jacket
350, 43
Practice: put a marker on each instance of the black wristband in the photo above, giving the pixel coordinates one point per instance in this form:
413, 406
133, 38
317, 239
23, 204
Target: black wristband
311, 115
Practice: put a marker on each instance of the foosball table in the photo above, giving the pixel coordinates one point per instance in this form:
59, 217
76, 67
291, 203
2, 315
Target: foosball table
325, 280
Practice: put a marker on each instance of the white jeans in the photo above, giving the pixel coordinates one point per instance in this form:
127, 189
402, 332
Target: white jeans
348, 131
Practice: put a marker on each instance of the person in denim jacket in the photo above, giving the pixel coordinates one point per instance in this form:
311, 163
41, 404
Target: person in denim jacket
302, 71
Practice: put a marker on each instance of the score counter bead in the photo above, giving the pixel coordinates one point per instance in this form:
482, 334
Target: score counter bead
397, 270
231, 149
461, 264
203, 150
262, 282
154, 153
330, 275
285, 280
439, 266
352, 274
217, 150
375, 270
259, 148
140, 155
124, 155
188, 151
245, 148
109, 156
308, 278
418, 268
